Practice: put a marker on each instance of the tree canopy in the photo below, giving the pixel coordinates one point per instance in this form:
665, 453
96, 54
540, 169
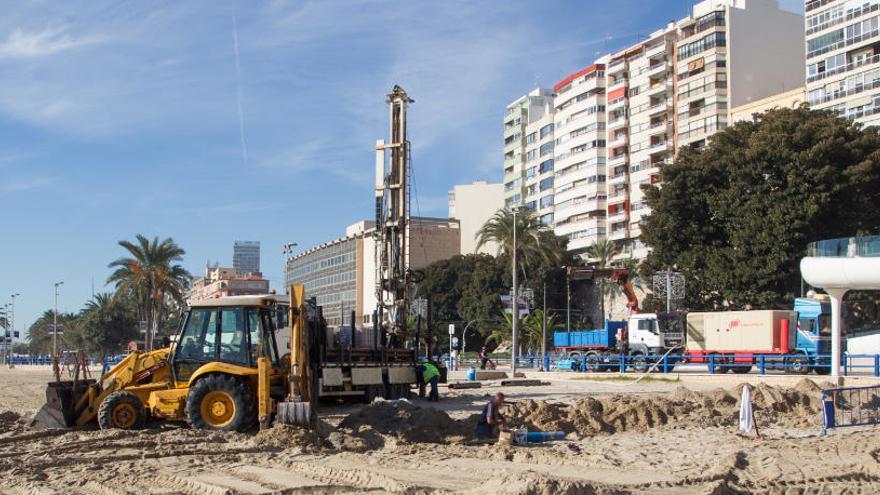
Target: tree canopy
736, 217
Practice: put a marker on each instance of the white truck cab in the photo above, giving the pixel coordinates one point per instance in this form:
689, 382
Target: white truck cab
654, 333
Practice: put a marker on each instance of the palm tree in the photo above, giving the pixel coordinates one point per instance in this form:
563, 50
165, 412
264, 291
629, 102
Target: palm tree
535, 242
601, 253
151, 277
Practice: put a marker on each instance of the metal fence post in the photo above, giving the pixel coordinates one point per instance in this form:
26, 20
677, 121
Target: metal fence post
711, 364
665, 364
623, 363
762, 368
876, 364
584, 364
546, 363
845, 365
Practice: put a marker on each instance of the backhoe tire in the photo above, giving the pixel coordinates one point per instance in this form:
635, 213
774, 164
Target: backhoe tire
122, 410
221, 402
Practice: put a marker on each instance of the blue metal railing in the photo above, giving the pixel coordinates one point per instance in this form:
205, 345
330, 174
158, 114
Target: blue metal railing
850, 406
851, 364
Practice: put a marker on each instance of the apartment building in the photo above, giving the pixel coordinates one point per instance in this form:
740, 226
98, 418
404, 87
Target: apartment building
843, 57
617, 122
580, 157
473, 205
730, 53
526, 130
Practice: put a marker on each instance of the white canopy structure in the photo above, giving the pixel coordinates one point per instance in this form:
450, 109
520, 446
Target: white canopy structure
838, 266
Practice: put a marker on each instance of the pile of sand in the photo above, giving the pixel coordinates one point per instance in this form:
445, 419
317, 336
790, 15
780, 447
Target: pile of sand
682, 408
289, 436
407, 422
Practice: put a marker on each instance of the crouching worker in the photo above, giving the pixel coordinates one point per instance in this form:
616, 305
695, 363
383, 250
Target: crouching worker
490, 418
428, 374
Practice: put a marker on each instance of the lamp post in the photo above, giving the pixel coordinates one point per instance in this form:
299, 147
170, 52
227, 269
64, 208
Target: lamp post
515, 315
55, 323
11, 327
286, 250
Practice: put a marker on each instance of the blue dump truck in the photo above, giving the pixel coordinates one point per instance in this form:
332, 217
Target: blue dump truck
640, 336
797, 341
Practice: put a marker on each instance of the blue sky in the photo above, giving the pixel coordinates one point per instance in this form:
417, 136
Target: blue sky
126, 117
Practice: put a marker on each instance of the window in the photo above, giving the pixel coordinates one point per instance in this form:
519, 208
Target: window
824, 43
702, 44
546, 166
531, 155
530, 205
234, 346
546, 148
547, 129
547, 219
530, 172
546, 201
531, 138
545, 184
199, 337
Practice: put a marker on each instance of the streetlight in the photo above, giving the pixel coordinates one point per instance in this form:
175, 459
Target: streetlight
515, 299
11, 327
55, 323
287, 250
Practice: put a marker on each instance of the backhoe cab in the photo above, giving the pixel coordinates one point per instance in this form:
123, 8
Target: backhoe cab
224, 371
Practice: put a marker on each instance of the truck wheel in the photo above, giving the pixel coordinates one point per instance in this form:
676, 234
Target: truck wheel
221, 402
822, 370
123, 410
798, 366
593, 360
741, 370
638, 363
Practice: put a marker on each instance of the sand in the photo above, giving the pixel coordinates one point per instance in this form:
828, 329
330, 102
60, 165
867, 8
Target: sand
656, 438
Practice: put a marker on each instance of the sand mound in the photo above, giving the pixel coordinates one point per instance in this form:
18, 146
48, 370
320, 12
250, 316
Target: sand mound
682, 408
406, 421
288, 436
9, 419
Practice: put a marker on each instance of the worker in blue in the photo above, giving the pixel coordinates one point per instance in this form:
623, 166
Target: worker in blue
428, 373
490, 418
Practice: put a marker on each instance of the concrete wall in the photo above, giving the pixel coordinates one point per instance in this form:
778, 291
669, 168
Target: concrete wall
472, 205
765, 51
788, 99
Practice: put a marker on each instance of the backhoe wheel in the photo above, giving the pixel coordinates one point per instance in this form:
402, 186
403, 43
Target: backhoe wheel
221, 402
123, 410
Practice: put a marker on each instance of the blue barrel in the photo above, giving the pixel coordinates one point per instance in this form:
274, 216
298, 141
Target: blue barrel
472, 374
543, 436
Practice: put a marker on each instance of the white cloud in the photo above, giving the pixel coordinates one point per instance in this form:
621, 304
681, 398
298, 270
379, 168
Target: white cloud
24, 184
49, 41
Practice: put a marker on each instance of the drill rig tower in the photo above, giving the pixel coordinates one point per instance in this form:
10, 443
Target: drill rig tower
394, 288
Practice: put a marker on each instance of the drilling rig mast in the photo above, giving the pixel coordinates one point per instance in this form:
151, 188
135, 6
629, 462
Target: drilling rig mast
394, 288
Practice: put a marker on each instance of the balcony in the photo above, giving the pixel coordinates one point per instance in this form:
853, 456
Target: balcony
661, 106
618, 216
513, 145
846, 247
617, 160
618, 234
616, 123
619, 140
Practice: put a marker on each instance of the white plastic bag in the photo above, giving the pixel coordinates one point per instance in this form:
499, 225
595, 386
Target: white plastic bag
745, 411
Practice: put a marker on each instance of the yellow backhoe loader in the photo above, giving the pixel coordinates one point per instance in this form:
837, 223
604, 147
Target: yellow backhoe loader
225, 372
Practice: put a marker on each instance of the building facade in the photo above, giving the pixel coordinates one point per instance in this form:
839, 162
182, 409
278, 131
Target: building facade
843, 57
221, 282
473, 205
341, 273
748, 112
521, 117
246, 257
620, 120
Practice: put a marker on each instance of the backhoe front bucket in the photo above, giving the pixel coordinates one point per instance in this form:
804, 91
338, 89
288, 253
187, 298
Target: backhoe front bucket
61, 398
295, 413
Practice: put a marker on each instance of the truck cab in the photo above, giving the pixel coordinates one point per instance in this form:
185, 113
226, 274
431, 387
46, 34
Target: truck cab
654, 333
813, 325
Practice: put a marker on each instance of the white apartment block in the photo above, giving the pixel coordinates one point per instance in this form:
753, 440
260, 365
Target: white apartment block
620, 120
524, 118
843, 57
580, 158
473, 205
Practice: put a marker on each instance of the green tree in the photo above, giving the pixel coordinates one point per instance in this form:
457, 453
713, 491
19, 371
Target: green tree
600, 254
736, 217
107, 324
151, 276
19, 348
535, 242
40, 340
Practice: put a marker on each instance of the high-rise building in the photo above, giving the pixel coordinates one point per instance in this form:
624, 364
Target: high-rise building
473, 205
617, 122
843, 57
246, 257
580, 157
520, 119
